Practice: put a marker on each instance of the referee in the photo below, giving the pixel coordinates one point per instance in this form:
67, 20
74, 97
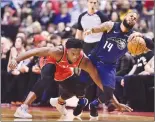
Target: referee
88, 20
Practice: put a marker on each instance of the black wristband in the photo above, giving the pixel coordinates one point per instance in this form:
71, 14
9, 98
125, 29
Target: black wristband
149, 43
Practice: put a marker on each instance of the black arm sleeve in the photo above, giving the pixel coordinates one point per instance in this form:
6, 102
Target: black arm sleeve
79, 26
149, 43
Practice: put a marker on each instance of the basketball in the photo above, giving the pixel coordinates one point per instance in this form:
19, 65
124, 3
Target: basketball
136, 46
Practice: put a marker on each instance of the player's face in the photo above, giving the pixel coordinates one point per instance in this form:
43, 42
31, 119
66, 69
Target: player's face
92, 4
73, 54
130, 20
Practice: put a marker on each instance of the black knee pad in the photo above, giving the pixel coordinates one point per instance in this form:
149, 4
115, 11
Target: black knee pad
48, 70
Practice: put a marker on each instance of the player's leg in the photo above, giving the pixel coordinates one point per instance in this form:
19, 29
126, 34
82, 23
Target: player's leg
83, 101
47, 75
104, 97
107, 75
83, 83
60, 102
66, 92
67, 89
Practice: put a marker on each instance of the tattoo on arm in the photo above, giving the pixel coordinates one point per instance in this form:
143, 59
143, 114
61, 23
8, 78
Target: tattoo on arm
104, 27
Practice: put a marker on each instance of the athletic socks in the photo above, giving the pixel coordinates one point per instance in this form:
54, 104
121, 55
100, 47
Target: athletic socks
61, 103
95, 102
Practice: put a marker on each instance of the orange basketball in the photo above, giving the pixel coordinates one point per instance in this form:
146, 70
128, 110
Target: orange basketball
137, 46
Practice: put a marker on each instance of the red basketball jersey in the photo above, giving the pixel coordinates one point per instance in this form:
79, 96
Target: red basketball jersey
64, 69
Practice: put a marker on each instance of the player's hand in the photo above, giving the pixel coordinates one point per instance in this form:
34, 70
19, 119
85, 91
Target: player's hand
15, 72
24, 69
36, 69
123, 108
87, 32
13, 64
135, 34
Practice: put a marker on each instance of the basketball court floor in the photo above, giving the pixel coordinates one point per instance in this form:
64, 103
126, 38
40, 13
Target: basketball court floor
51, 114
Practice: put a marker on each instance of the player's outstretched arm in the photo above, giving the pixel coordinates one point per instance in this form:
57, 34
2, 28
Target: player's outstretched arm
119, 106
104, 27
44, 51
87, 66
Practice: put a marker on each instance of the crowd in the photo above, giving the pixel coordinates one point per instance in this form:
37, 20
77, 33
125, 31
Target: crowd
33, 24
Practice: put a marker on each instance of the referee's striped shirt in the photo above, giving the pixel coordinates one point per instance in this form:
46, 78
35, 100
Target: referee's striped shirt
87, 21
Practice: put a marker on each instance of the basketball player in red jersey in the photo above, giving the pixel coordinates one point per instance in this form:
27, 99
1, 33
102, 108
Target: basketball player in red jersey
63, 60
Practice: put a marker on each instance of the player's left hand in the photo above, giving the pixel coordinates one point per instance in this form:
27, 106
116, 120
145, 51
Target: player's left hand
123, 107
135, 34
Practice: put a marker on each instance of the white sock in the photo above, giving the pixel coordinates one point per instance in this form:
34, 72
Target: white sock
24, 106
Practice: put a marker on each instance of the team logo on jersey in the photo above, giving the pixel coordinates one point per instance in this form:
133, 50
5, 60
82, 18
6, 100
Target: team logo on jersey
121, 43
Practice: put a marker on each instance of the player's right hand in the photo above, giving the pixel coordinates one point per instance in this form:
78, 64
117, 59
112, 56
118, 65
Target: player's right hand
13, 64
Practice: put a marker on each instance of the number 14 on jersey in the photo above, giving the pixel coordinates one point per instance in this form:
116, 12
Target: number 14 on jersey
108, 45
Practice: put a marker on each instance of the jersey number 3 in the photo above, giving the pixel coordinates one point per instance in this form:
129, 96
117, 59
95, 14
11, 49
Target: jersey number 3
108, 45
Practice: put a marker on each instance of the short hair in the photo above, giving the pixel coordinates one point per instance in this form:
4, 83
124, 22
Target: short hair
133, 12
74, 43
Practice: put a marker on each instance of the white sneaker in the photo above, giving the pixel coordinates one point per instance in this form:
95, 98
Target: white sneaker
93, 118
60, 108
22, 112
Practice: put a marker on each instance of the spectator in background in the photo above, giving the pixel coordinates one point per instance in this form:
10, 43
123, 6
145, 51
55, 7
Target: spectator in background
79, 7
54, 40
141, 86
45, 35
6, 45
63, 16
27, 21
47, 15
125, 64
108, 9
115, 17
125, 8
51, 28
19, 79
148, 13
136, 5
9, 16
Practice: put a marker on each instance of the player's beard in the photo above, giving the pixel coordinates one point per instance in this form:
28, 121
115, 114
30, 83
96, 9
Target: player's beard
127, 25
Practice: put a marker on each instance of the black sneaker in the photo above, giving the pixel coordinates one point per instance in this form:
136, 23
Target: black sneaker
79, 108
93, 110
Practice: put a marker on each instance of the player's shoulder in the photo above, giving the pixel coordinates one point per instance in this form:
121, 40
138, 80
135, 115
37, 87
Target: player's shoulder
57, 52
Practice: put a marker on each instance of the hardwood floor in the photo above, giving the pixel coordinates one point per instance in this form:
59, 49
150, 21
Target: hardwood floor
51, 114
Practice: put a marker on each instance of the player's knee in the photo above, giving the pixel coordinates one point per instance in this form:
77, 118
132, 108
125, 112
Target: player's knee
48, 70
39, 88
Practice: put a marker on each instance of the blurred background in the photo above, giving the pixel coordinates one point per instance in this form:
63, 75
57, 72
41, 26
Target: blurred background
30, 24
